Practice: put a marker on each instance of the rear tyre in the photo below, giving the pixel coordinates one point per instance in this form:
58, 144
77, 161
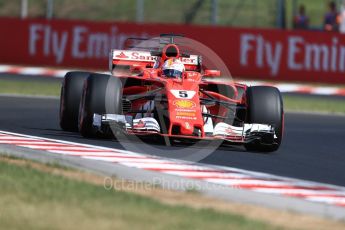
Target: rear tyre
71, 91
265, 106
102, 94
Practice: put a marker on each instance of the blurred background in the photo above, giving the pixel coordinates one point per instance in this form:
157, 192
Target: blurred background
239, 13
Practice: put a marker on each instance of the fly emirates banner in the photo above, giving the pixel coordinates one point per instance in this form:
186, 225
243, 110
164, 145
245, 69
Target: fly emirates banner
265, 54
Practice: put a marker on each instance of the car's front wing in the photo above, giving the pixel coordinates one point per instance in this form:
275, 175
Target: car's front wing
221, 131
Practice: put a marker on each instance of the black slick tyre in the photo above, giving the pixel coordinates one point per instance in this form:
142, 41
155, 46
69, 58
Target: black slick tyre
265, 106
102, 94
71, 92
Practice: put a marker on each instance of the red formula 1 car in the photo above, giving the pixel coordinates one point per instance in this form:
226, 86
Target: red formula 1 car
163, 91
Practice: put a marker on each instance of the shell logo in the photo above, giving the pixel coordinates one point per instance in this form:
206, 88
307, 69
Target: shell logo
184, 104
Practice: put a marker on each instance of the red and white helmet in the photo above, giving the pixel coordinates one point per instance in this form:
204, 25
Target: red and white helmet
173, 68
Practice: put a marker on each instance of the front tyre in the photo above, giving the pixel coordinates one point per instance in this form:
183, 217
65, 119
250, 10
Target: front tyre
102, 94
265, 106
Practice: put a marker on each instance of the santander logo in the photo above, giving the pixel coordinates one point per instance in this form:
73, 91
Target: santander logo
122, 55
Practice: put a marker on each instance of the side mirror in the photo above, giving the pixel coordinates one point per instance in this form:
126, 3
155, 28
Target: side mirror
212, 73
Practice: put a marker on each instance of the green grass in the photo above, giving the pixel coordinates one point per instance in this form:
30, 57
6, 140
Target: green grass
306, 104
31, 199
8, 86
248, 13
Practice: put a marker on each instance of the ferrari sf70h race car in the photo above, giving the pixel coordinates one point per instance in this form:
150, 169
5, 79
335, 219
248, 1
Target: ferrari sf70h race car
164, 91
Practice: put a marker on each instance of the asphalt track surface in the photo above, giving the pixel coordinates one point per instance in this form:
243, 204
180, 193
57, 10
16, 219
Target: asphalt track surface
313, 147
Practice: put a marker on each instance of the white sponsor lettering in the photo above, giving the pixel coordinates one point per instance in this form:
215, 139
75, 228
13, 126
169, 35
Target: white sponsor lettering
192, 60
142, 56
245, 48
59, 46
266, 54
44, 38
146, 56
316, 56
33, 38
83, 43
293, 50
273, 57
300, 54
78, 39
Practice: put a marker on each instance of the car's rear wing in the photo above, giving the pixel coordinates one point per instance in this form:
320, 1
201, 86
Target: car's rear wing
128, 58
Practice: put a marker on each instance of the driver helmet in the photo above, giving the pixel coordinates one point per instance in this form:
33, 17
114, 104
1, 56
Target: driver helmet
173, 68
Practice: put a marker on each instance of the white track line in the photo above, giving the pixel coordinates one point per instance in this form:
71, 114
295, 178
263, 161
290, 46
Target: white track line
228, 176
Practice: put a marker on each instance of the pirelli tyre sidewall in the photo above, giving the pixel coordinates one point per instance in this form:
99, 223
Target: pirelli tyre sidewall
101, 94
71, 92
265, 106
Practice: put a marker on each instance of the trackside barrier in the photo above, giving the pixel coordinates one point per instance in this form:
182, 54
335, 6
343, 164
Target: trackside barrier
263, 54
